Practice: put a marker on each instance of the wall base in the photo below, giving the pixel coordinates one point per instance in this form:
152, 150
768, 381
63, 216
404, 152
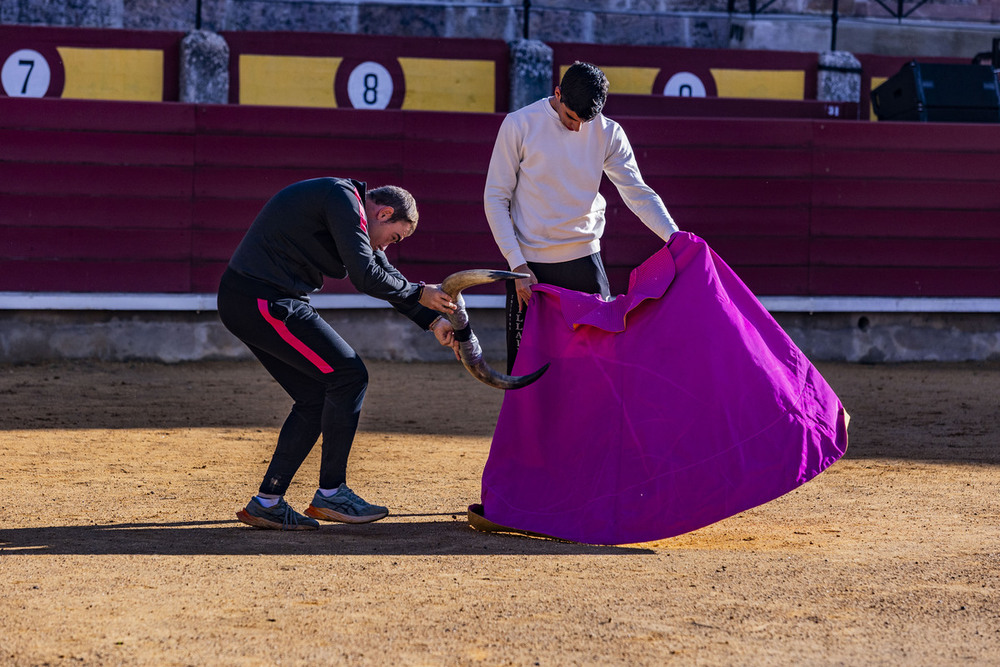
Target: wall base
172, 337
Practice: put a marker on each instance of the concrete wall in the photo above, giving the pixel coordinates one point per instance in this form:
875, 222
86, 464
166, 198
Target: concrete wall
945, 28
951, 28
864, 337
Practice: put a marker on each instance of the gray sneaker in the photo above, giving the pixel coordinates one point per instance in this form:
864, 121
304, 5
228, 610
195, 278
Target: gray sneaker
279, 517
345, 506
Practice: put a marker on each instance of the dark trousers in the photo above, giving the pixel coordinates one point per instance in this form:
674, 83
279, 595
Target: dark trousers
582, 275
322, 373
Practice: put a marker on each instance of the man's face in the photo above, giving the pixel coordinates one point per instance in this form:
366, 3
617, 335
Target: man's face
383, 233
568, 118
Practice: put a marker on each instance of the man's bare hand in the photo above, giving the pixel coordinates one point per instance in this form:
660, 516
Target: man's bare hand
445, 335
437, 299
523, 286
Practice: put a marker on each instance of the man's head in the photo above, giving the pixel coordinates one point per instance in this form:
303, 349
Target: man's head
392, 215
583, 90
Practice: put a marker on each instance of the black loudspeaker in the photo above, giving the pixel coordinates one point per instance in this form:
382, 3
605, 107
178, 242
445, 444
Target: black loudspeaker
935, 92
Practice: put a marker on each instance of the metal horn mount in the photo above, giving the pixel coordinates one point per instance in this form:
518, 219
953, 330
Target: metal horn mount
469, 348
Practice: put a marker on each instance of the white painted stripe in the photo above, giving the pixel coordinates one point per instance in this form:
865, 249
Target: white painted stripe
206, 302
189, 302
878, 304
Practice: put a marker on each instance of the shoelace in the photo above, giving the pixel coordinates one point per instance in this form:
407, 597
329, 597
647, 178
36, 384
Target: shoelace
350, 495
290, 518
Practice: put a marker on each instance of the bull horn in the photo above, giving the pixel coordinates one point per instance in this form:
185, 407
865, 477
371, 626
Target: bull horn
469, 348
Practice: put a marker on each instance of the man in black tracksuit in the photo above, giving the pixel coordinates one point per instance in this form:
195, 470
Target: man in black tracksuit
320, 227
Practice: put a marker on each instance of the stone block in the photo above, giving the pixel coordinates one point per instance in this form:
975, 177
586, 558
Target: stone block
838, 77
73, 13
204, 68
530, 72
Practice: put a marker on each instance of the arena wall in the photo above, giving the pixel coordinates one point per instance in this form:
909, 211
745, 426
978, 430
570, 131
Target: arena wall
119, 212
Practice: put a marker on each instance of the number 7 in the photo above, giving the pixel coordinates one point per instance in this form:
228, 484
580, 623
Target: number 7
31, 66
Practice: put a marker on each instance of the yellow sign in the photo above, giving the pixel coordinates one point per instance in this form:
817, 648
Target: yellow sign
434, 84
762, 84
112, 74
288, 81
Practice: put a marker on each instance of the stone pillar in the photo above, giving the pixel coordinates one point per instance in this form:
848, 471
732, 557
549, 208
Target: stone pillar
530, 72
204, 75
74, 13
839, 77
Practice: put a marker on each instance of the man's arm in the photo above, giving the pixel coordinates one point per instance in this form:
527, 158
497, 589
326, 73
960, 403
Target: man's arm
501, 179
623, 171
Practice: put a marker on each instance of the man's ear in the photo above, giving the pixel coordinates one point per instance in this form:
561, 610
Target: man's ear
385, 214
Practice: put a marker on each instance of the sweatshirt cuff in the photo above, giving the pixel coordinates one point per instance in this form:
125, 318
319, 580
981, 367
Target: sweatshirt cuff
515, 260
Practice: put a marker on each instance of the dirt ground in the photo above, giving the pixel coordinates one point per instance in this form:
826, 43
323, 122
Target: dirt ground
119, 545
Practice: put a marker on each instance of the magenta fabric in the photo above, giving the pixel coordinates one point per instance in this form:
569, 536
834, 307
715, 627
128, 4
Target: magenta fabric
674, 406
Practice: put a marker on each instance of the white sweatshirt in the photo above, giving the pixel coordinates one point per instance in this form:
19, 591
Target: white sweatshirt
542, 200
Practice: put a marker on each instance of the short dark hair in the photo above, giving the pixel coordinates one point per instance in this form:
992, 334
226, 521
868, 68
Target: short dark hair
404, 206
584, 90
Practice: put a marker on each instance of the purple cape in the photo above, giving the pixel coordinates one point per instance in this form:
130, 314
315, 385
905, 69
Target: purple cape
674, 406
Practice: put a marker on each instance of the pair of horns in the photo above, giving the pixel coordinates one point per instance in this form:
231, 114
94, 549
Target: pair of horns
469, 349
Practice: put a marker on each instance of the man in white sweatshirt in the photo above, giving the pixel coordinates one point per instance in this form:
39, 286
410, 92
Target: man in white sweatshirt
542, 200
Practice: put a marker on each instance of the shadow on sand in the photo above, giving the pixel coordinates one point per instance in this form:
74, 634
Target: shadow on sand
386, 538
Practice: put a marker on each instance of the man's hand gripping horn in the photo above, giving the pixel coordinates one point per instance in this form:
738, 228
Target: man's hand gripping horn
469, 349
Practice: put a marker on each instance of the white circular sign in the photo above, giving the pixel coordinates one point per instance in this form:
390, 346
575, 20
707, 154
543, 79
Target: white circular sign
26, 74
684, 84
369, 86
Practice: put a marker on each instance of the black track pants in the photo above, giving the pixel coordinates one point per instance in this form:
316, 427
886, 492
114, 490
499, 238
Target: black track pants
316, 367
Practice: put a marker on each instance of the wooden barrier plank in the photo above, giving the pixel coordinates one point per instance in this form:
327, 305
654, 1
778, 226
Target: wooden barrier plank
95, 180
234, 215
67, 275
904, 281
102, 212
111, 244
902, 252
462, 188
861, 223
774, 280
724, 161
761, 221
214, 245
324, 153
448, 216
85, 147
446, 157
903, 195
464, 128
25, 113
429, 246
911, 165
678, 132
298, 121
723, 191
205, 275
890, 137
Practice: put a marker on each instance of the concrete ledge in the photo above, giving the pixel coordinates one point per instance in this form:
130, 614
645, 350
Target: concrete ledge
37, 336
177, 336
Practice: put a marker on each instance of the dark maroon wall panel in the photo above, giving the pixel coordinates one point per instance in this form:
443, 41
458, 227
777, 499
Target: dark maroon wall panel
154, 197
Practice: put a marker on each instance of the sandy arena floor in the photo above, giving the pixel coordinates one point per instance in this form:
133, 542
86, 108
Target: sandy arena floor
119, 545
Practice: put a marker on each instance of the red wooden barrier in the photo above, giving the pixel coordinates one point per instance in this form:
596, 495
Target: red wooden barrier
137, 197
